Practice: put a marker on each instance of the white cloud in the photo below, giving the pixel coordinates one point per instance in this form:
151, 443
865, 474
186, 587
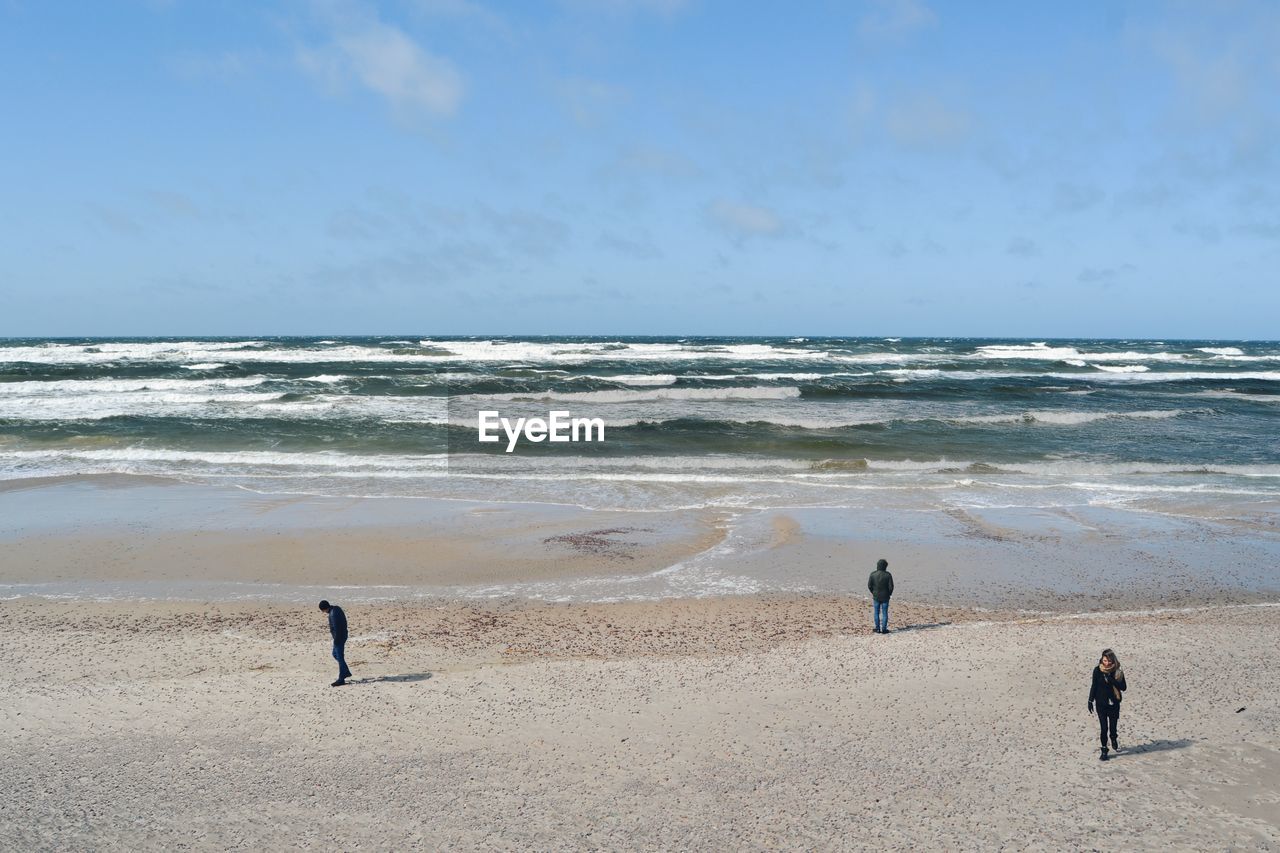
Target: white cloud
589, 101
1069, 197
925, 120
1218, 86
226, 65
1023, 247
461, 9
653, 162
895, 18
390, 63
742, 220
639, 246
666, 8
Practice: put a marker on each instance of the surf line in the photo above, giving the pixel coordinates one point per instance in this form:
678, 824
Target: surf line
559, 426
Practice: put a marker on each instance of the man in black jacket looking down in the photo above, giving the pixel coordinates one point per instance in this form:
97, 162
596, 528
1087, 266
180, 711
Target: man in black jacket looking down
338, 628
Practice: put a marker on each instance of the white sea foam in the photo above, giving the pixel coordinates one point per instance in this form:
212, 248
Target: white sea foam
1172, 376
772, 377
641, 379
671, 379
1043, 352
907, 374
106, 352
230, 458
82, 387
209, 354
514, 352
621, 396
212, 405
1230, 394
1068, 418
1123, 368
662, 468
527, 351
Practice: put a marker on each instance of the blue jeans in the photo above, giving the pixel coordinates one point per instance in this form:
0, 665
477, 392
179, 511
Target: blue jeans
881, 615
339, 654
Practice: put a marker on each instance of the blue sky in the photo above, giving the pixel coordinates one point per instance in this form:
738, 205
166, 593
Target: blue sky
888, 167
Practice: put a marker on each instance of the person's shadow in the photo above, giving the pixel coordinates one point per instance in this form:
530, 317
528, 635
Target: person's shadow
1154, 746
921, 627
407, 677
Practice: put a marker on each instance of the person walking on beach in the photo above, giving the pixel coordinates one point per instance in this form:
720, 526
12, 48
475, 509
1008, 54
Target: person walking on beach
338, 628
880, 584
1104, 693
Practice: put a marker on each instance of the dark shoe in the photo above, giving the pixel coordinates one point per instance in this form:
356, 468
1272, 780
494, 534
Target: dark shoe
1115, 745
1104, 756
339, 683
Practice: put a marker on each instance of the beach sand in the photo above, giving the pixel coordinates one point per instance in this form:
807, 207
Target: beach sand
738, 723
166, 677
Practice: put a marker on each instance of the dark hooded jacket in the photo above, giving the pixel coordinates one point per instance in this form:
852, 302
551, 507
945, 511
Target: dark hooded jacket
337, 624
880, 585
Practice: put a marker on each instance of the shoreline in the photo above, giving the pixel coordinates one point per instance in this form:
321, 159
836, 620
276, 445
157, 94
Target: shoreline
120, 538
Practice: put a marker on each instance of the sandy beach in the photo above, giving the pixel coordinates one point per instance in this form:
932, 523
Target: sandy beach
729, 724
169, 674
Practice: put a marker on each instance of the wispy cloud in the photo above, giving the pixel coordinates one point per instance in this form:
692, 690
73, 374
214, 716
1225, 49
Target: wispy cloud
891, 19
1022, 247
927, 120
1071, 197
743, 221
589, 101
114, 220
225, 65
462, 10
666, 8
528, 232
386, 61
641, 246
1105, 276
1218, 85
653, 162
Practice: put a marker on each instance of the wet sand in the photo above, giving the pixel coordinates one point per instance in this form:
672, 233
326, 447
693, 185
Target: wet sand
129, 538
166, 535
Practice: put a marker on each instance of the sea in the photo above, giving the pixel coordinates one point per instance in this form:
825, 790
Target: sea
690, 422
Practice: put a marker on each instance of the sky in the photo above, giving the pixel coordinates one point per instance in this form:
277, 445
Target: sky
610, 167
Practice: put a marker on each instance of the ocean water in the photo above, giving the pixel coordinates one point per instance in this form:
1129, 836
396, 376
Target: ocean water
690, 422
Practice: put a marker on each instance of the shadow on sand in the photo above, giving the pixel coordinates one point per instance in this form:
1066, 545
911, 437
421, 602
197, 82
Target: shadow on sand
921, 627
1154, 746
383, 679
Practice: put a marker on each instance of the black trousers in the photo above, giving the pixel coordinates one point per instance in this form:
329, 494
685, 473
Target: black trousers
1107, 719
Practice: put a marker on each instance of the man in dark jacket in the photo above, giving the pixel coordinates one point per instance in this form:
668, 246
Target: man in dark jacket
338, 628
880, 585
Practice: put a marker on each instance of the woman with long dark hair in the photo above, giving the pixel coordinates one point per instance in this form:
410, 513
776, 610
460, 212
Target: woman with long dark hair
1105, 693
